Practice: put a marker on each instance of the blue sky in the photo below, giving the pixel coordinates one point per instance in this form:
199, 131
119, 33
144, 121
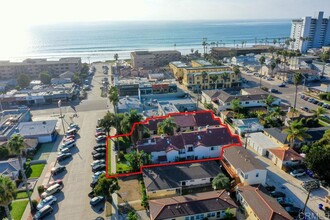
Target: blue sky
24, 13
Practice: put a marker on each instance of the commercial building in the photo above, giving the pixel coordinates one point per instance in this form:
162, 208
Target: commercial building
33, 67
208, 205
201, 144
222, 52
176, 105
153, 59
164, 181
243, 167
44, 131
257, 204
310, 32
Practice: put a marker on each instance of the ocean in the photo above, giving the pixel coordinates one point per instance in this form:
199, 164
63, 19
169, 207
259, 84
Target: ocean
99, 41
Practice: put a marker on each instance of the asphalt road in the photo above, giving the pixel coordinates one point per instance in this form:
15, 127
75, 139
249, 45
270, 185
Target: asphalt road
73, 201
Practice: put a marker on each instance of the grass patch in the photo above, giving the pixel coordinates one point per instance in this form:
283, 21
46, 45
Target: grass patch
36, 170
22, 195
122, 167
109, 156
17, 208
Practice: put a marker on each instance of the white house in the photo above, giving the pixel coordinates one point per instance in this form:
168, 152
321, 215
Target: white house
247, 125
243, 167
203, 143
261, 143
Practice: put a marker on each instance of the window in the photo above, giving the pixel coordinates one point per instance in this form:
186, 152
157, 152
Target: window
183, 183
257, 175
247, 102
246, 176
212, 148
190, 149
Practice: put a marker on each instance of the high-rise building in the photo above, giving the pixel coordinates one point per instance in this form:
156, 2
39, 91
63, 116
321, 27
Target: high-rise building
309, 33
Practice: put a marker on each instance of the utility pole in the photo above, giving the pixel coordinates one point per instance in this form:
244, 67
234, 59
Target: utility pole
61, 116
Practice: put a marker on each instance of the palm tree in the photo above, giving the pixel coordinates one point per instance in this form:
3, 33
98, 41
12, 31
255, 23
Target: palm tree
225, 77
221, 182
272, 67
214, 79
7, 193
116, 56
297, 78
296, 131
262, 60
166, 127
269, 102
16, 146
204, 75
204, 43
319, 111
324, 57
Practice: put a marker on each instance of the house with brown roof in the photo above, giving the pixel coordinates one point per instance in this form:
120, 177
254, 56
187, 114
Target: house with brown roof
284, 157
175, 180
185, 122
207, 205
200, 144
259, 205
243, 167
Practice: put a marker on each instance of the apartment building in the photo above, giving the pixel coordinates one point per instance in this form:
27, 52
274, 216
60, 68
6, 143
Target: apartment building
222, 52
153, 59
33, 67
310, 32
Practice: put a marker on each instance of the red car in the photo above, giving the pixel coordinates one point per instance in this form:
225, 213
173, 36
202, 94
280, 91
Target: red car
70, 137
100, 133
67, 139
51, 183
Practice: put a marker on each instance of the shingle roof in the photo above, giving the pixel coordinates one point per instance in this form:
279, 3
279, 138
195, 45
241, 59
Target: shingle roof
180, 206
169, 177
286, 154
277, 134
240, 158
213, 136
263, 205
226, 97
8, 166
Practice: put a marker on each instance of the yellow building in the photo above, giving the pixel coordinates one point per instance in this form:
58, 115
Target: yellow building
177, 68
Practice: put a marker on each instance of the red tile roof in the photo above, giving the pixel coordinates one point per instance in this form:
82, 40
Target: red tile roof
286, 154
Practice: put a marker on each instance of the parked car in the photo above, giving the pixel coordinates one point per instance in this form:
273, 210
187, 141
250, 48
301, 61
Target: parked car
70, 136
63, 156
72, 125
305, 109
64, 150
96, 175
43, 212
97, 162
93, 183
49, 200
293, 211
99, 156
100, 138
281, 85
69, 146
99, 167
57, 170
277, 194
66, 144
51, 183
51, 190
311, 100
100, 133
273, 90
98, 146
320, 104
72, 131
270, 188
306, 98
65, 140
298, 173
96, 200
99, 150
100, 129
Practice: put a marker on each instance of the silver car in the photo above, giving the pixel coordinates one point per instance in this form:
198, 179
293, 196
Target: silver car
49, 200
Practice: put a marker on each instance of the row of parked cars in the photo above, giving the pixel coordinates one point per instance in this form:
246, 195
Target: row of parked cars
314, 101
98, 164
48, 199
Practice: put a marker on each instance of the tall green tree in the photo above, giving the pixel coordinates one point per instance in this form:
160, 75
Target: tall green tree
269, 102
114, 97
4, 152
108, 121
167, 126
214, 79
297, 78
127, 123
296, 131
106, 187
262, 60
16, 147
45, 78
137, 158
225, 77
319, 111
76, 79
236, 106
317, 160
23, 81
7, 194
324, 57
221, 182
204, 75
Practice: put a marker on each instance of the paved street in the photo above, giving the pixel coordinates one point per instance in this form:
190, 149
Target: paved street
73, 202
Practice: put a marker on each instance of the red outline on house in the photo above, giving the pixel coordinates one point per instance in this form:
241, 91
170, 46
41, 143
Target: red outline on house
171, 163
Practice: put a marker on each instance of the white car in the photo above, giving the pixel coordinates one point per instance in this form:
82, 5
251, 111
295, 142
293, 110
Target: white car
97, 162
49, 200
96, 175
64, 150
298, 173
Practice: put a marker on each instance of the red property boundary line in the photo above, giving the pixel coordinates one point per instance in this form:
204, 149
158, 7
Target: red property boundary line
239, 144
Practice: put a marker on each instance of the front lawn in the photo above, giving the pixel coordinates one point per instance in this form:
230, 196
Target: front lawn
22, 195
17, 209
109, 156
122, 166
36, 170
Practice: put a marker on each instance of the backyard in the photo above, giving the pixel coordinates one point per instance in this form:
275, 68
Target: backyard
122, 166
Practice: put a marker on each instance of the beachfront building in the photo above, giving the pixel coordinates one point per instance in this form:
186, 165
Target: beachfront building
33, 67
153, 59
310, 32
201, 144
222, 52
207, 205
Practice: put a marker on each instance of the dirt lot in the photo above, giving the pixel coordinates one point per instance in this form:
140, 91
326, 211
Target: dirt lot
130, 193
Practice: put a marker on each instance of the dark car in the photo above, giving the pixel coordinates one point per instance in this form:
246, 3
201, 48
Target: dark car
270, 188
99, 167
320, 103
99, 150
99, 218
57, 170
281, 85
99, 146
285, 204
43, 212
305, 109
277, 194
292, 210
63, 156
98, 156
96, 200
91, 194
100, 133
93, 183
101, 138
